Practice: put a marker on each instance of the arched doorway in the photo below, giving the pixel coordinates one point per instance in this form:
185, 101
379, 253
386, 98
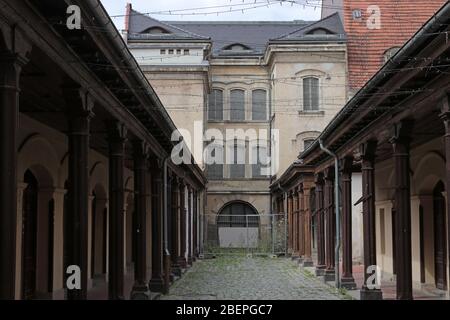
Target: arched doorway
29, 235
440, 247
238, 226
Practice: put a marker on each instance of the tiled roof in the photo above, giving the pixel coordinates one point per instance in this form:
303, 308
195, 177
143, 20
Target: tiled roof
252, 34
400, 19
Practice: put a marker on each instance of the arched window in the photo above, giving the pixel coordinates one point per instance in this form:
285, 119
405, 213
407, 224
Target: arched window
259, 104
238, 215
310, 94
389, 53
215, 107
237, 105
319, 31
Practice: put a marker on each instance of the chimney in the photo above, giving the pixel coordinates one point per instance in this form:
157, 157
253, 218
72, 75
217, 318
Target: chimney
127, 16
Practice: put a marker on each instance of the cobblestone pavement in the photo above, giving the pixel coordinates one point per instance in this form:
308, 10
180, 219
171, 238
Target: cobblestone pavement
242, 278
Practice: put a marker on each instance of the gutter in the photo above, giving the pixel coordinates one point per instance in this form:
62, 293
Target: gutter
337, 211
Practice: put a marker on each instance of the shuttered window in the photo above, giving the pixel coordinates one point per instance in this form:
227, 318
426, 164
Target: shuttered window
259, 105
310, 94
237, 105
215, 108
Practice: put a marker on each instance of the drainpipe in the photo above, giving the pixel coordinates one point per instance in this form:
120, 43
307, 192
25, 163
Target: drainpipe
285, 220
166, 255
337, 210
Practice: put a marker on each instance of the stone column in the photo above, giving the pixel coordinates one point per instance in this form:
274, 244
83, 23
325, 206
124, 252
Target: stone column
301, 222
140, 288
330, 224
400, 141
347, 280
117, 136
156, 283
182, 258
79, 105
175, 251
320, 267
307, 259
445, 116
295, 222
11, 62
367, 151
189, 226
195, 225
290, 210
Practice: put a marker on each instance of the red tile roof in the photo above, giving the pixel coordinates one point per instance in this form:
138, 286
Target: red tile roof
400, 20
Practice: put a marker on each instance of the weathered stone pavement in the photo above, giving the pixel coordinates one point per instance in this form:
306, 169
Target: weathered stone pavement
242, 278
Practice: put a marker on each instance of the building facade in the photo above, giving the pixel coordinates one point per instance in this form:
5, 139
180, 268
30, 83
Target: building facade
88, 189
273, 83
398, 140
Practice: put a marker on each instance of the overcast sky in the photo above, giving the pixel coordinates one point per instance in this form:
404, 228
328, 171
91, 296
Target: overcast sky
310, 11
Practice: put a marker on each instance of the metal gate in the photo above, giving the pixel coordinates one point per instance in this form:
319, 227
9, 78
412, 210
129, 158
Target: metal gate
260, 234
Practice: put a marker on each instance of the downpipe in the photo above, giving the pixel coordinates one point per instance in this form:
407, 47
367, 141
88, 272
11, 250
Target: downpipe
166, 254
337, 211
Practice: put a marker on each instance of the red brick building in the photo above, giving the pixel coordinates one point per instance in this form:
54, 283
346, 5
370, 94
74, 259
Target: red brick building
376, 29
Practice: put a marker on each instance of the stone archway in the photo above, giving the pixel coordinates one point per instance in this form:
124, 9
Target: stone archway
238, 225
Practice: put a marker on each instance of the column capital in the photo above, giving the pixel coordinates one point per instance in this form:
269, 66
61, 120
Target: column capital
328, 173
368, 149
318, 178
401, 132
117, 131
346, 164
141, 149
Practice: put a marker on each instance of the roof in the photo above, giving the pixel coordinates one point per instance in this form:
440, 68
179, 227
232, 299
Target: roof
332, 25
255, 35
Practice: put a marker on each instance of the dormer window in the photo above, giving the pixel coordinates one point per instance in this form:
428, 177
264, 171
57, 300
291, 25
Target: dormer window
155, 30
319, 31
236, 47
389, 53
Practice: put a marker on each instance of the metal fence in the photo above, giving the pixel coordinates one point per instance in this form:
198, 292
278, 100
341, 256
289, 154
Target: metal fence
261, 234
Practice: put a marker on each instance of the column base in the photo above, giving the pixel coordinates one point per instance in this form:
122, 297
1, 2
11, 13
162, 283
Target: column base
348, 283
370, 294
182, 262
189, 261
320, 271
329, 275
156, 284
295, 257
176, 269
308, 262
140, 292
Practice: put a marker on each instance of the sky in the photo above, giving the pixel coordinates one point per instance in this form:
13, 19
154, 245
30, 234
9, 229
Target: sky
302, 10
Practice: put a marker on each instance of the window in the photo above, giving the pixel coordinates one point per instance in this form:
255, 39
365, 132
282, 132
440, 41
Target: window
260, 159
163, 51
179, 51
186, 52
259, 105
170, 51
310, 94
307, 143
319, 31
215, 170
237, 105
357, 14
237, 167
215, 108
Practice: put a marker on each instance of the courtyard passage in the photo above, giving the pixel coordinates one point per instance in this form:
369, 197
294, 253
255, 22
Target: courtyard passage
256, 278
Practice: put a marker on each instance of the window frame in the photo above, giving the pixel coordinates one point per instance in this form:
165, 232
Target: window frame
312, 110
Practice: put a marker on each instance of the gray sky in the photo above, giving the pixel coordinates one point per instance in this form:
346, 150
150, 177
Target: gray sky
309, 11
